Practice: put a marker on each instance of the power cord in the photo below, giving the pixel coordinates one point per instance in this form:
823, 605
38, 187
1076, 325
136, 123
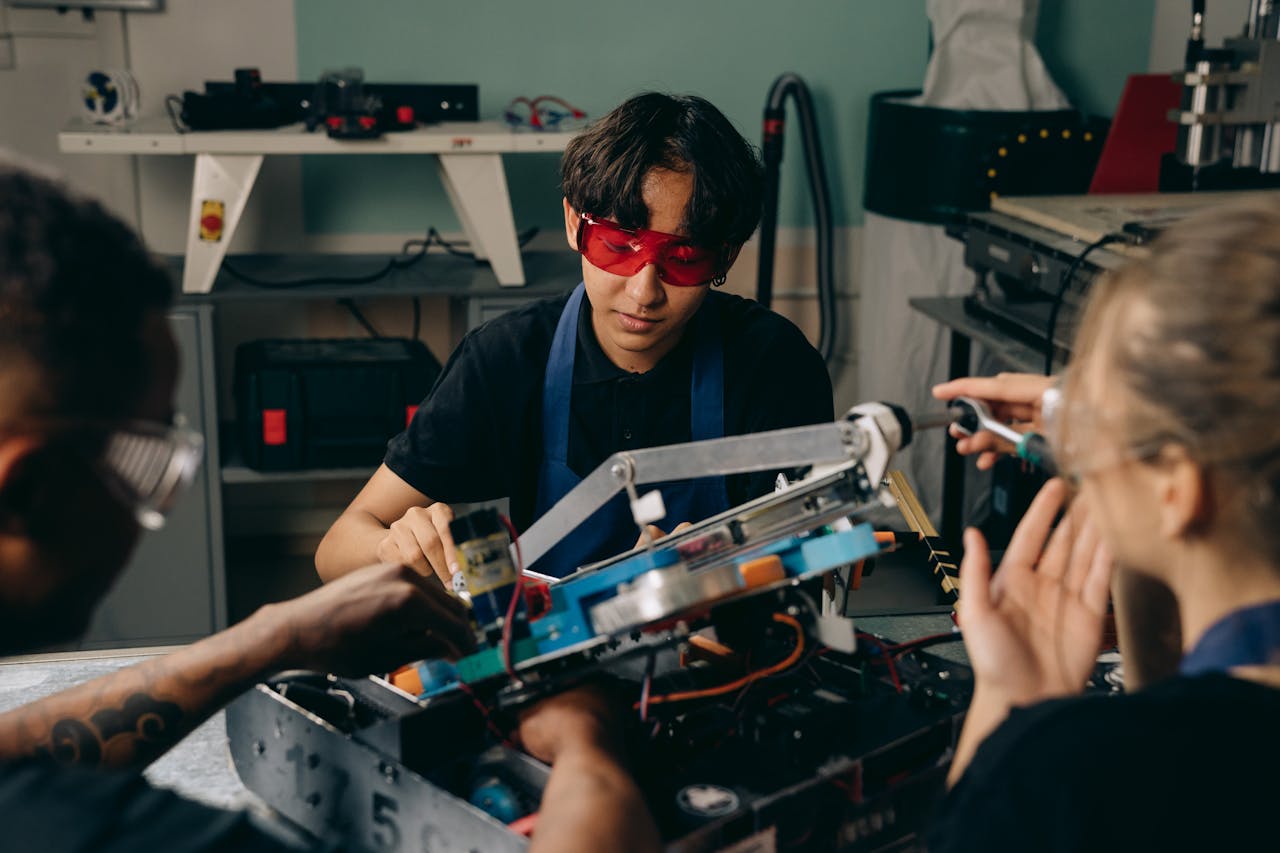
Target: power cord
404, 261
173, 106
1058, 299
350, 305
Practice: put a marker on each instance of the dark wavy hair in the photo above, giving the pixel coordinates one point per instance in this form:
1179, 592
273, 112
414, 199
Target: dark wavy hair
604, 167
76, 285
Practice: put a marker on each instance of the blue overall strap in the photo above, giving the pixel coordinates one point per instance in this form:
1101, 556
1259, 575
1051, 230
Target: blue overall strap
706, 394
706, 411
557, 389
1246, 637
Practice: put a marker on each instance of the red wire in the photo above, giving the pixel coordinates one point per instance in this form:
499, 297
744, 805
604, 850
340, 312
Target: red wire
484, 712
577, 113
508, 623
893, 670
901, 649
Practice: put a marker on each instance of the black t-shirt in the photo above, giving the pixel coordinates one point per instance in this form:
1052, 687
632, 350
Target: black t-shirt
1187, 764
478, 435
48, 808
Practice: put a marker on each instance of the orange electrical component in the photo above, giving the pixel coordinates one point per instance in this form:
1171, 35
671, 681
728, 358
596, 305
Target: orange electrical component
762, 571
855, 575
407, 679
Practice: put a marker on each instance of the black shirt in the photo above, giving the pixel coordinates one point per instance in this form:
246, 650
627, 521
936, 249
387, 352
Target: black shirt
1187, 764
478, 435
48, 808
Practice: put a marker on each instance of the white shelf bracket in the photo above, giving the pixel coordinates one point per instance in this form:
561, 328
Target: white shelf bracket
477, 188
218, 195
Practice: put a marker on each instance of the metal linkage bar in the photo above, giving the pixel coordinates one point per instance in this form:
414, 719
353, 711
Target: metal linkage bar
785, 448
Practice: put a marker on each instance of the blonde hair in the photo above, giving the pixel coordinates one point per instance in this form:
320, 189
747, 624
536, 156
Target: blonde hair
1192, 335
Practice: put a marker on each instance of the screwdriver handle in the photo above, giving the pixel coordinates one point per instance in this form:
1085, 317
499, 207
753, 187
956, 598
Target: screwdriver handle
1034, 448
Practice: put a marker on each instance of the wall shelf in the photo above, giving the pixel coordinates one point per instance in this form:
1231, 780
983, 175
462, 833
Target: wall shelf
438, 274
469, 156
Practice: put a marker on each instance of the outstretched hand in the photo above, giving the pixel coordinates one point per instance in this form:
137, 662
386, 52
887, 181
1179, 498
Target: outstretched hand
1012, 397
1033, 631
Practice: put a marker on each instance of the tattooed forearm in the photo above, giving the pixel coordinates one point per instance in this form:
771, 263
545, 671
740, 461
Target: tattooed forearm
131, 717
144, 727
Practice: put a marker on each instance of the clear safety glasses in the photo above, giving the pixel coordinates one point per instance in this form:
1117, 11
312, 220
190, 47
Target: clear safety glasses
1086, 439
149, 465
626, 251
145, 464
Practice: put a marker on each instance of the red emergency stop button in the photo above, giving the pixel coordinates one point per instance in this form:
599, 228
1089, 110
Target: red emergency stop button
212, 220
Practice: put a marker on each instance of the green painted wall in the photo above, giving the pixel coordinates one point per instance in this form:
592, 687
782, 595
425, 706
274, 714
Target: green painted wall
597, 53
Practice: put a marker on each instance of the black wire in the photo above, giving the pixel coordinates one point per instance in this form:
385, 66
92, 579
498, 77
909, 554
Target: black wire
175, 117
791, 85
848, 586
398, 263
231, 270
417, 317
1058, 299
350, 305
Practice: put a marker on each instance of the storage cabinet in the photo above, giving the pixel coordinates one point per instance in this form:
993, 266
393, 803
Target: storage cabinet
174, 588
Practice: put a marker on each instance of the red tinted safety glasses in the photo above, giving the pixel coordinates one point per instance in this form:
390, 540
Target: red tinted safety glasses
626, 251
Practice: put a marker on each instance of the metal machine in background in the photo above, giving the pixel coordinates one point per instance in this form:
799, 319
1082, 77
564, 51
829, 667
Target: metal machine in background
785, 728
1229, 119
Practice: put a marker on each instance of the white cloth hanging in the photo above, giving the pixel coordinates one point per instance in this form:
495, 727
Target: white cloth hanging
983, 58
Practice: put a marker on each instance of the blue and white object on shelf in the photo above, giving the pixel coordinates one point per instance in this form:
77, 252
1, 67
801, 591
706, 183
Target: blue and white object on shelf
110, 96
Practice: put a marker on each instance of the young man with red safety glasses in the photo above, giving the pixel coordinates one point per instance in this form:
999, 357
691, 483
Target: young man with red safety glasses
659, 196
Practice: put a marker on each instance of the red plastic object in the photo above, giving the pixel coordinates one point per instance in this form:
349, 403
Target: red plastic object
367, 122
537, 597
274, 432
404, 114
1140, 134
524, 825
408, 415
334, 122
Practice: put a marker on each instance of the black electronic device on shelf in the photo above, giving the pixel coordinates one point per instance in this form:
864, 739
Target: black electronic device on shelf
426, 103
249, 103
327, 403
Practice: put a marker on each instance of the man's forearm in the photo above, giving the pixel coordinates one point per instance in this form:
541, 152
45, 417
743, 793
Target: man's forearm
592, 804
350, 544
130, 717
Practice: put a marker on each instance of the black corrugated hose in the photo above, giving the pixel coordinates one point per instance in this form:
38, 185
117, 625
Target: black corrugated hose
775, 115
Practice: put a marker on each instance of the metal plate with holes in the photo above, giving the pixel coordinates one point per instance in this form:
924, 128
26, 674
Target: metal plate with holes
333, 786
663, 594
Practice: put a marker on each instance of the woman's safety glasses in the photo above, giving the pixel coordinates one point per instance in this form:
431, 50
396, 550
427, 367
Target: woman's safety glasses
626, 251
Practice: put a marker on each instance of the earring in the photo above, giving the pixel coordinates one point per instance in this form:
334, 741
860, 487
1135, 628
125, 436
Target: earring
718, 280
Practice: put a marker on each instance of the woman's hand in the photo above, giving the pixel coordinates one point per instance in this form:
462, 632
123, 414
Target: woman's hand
1033, 631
